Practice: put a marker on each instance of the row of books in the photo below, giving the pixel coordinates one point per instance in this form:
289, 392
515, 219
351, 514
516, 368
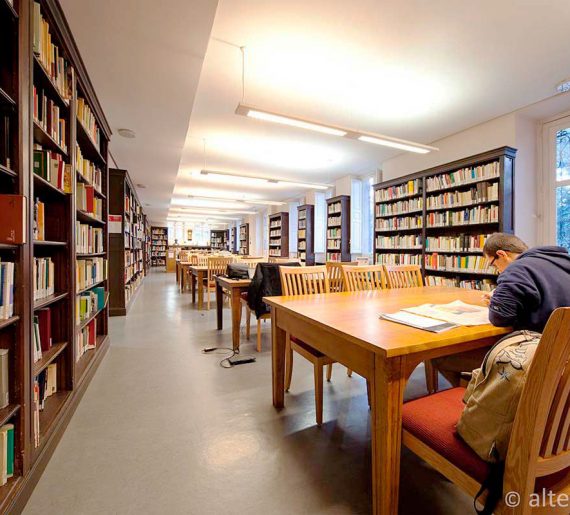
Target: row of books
4, 377
478, 264
402, 207
302, 245
333, 244
88, 170
86, 339
275, 223
399, 242
275, 243
88, 239
398, 259
334, 221
475, 215
461, 243
405, 222
275, 252
56, 66
482, 192
47, 116
39, 227
303, 256
87, 201
335, 232
463, 176
44, 277
302, 234
87, 119
6, 289
88, 303
407, 189
275, 233
90, 271
302, 215
45, 385
51, 167
334, 256
302, 224
131, 287
333, 208
42, 335
454, 282
6, 453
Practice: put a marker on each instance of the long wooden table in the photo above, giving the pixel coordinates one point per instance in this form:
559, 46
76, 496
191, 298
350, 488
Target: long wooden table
235, 288
346, 327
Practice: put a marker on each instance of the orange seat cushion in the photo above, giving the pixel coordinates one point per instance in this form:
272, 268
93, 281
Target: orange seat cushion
432, 420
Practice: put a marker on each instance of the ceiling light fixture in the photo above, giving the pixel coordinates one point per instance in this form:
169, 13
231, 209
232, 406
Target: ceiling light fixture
368, 137
244, 201
563, 86
127, 133
266, 180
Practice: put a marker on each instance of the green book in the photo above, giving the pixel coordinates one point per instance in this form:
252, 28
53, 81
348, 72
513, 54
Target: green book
9, 428
100, 292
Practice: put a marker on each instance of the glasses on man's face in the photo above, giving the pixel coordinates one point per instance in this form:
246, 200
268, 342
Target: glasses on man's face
492, 263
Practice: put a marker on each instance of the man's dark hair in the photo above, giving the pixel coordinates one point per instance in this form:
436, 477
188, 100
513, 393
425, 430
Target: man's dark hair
504, 241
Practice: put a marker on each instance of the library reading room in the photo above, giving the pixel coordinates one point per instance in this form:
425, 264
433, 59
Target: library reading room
284, 257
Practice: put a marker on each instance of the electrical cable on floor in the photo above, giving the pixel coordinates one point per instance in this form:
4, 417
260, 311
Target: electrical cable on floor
226, 363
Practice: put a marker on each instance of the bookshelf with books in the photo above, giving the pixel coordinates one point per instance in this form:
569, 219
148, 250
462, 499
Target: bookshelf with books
159, 246
279, 235
147, 246
338, 228
219, 239
127, 259
244, 239
306, 234
233, 240
439, 218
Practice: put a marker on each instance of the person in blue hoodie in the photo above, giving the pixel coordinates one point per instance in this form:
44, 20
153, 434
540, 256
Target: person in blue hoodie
532, 283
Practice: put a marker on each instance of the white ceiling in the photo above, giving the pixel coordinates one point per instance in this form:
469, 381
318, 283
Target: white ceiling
144, 59
414, 69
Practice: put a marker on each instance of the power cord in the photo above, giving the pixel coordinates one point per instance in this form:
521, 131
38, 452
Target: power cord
227, 361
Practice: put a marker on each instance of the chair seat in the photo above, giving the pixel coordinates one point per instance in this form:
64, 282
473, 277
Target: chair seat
432, 420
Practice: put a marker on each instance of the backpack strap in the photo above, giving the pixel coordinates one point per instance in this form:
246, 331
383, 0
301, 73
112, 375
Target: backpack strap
493, 485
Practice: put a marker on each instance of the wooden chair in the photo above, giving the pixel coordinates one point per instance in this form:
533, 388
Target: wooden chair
252, 265
216, 266
539, 450
280, 260
410, 276
334, 270
309, 280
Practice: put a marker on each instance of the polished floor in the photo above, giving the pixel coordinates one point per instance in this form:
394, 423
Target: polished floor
164, 429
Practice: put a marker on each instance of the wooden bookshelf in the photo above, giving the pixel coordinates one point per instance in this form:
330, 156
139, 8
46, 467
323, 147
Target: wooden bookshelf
146, 245
338, 228
279, 234
439, 218
244, 239
233, 240
127, 258
159, 246
306, 234
219, 239
62, 192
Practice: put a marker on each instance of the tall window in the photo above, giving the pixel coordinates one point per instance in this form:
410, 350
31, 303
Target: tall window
356, 216
563, 187
320, 221
293, 222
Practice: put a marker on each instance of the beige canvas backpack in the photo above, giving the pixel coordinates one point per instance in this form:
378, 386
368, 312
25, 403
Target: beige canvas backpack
493, 394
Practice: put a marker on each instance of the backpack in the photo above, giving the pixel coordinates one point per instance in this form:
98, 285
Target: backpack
491, 402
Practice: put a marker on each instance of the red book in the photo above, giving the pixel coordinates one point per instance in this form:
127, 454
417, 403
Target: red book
89, 194
13, 226
44, 320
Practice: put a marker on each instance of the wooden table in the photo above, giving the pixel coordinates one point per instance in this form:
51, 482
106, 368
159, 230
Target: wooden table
199, 273
346, 327
182, 266
235, 287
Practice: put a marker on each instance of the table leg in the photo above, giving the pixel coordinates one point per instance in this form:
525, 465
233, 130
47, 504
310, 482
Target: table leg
236, 317
181, 281
219, 306
278, 340
387, 387
193, 286
200, 279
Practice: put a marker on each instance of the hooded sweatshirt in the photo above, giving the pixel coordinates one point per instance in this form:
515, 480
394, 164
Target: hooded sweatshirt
531, 288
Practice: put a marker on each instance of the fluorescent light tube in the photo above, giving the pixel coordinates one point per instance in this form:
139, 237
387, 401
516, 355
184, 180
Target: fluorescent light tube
410, 147
263, 180
265, 202
285, 120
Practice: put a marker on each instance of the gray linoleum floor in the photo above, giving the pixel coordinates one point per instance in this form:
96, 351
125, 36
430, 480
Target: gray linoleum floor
163, 429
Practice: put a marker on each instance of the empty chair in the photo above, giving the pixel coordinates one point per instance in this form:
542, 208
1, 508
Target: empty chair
362, 278
410, 276
307, 280
334, 269
216, 266
538, 455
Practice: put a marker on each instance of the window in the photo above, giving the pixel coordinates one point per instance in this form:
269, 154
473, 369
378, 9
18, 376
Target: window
320, 221
563, 188
368, 215
356, 216
293, 222
265, 230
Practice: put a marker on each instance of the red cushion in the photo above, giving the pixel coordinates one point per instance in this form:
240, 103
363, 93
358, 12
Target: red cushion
432, 420
244, 295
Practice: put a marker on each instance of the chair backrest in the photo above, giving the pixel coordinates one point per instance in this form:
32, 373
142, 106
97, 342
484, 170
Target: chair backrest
306, 280
202, 260
540, 438
217, 266
361, 278
274, 259
403, 276
334, 269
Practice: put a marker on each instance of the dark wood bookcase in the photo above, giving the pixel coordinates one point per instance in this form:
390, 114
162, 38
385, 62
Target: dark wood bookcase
66, 205
279, 234
147, 245
159, 246
438, 218
219, 239
306, 233
338, 228
244, 239
233, 240
127, 247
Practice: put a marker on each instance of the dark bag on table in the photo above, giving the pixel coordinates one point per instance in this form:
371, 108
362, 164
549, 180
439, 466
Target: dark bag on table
237, 271
266, 282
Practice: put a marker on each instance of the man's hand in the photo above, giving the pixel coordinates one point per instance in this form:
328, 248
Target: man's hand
486, 297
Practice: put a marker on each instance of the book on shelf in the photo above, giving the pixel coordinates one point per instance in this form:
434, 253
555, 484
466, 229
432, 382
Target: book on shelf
88, 239
86, 339
88, 121
399, 259
13, 227
47, 116
406, 189
88, 170
90, 271
402, 207
454, 282
4, 378
481, 192
89, 302
6, 289
463, 176
407, 242
6, 453
475, 264
44, 278
460, 243
39, 220
51, 167
44, 325
5, 139
472, 216
45, 385
403, 222
86, 200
